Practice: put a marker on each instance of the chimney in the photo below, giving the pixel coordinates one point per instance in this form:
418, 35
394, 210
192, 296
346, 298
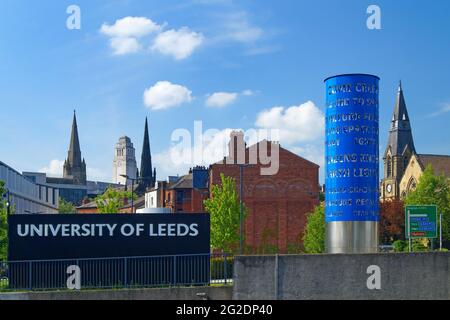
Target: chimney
237, 148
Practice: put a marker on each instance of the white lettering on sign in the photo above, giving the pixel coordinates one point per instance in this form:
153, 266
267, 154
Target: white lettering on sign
107, 230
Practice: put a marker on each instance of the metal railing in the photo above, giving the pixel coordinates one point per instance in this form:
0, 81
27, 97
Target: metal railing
122, 272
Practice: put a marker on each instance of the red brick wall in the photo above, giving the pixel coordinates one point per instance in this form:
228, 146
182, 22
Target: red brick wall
194, 204
277, 204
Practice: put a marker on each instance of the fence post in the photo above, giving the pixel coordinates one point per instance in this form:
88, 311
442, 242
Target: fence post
30, 275
125, 276
174, 270
225, 265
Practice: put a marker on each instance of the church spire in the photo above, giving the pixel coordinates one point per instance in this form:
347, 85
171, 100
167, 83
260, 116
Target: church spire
146, 173
74, 155
74, 165
400, 134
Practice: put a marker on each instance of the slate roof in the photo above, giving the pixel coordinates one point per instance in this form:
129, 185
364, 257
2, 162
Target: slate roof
400, 134
440, 163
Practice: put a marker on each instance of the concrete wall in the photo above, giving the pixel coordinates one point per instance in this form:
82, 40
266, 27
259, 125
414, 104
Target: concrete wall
341, 277
213, 293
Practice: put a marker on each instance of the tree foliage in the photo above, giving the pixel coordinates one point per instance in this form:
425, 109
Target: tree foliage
433, 190
314, 237
392, 222
112, 200
224, 210
3, 224
66, 207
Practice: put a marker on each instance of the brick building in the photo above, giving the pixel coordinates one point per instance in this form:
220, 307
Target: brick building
182, 197
278, 203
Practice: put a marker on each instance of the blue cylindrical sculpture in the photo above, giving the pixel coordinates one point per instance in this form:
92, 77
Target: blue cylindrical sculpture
352, 163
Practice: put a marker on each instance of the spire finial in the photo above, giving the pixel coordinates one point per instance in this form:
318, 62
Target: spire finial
400, 85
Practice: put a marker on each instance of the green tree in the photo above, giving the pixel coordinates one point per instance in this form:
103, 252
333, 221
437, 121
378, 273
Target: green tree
112, 200
314, 237
3, 224
224, 210
433, 190
66, 207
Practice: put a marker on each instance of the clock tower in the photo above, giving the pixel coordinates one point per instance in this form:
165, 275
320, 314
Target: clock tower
399, 150
124, 163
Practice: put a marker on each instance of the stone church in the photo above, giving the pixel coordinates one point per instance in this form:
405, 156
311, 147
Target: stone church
403, 166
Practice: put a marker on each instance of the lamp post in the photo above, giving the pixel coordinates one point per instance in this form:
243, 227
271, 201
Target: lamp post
241, 213
8, 203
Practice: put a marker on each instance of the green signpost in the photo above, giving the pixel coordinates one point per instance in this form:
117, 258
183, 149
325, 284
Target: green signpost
421, 222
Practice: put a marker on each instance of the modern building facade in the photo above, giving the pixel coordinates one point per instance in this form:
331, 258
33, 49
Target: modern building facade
124, 163
277, 204
26, 196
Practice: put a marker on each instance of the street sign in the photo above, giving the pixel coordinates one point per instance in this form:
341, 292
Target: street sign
421, 222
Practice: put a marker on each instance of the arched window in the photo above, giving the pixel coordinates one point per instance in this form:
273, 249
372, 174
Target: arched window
389, 167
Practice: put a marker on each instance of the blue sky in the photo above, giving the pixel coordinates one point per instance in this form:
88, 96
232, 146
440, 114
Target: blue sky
234, 63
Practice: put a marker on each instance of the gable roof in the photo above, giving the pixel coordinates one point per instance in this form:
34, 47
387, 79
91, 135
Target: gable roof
185, 182
256, 145
440, 163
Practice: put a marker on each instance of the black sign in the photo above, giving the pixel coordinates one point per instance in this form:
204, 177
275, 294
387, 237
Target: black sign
51, 237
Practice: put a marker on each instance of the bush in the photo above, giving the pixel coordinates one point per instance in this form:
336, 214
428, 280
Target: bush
400, 246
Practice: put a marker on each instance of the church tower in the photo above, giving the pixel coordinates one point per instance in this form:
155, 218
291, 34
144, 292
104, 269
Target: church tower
146, 173
399, 150
124, 163
74, 165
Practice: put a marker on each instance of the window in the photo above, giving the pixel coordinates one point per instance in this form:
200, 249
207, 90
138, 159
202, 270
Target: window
389, 167
180, 197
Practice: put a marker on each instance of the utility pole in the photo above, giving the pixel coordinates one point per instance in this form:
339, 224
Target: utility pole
241, 193
8, 203
440, 232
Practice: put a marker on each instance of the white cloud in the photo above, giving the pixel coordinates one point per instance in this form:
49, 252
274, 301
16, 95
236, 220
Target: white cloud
179, 44
164, 95
124, 33
127, 27
122, 46
221, 99
296, 124
181, 156
53, 169
247, 93
238, 28
445, 108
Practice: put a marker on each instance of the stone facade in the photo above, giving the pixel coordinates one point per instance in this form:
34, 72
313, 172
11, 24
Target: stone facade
403, 166
277, 204
124, 162
74, 165
399, 150
417, 165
